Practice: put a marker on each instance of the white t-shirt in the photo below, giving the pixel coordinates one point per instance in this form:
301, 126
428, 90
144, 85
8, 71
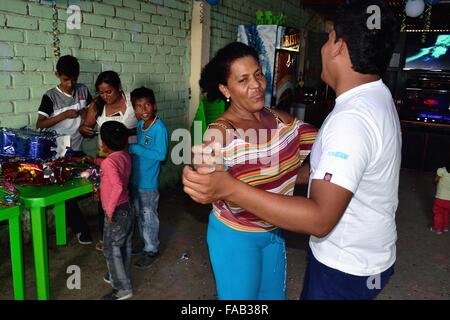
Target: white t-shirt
359, 148
443, 187
55, 102
128, 119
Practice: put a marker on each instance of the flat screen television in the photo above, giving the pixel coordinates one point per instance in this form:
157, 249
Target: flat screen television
431, 55
427, 104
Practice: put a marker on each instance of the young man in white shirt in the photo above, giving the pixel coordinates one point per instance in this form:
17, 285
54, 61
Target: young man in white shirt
354, 168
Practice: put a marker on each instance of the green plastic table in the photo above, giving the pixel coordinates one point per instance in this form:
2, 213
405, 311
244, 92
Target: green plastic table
37, 199
12, 214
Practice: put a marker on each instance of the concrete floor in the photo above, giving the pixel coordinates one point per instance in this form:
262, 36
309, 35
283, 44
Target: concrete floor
422, 268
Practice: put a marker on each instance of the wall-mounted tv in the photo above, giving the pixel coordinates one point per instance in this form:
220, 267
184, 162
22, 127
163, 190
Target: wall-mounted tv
432, 55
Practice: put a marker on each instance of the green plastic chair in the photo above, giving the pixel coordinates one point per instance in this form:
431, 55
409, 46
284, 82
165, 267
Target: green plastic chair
213, 110
207, 113
12, 215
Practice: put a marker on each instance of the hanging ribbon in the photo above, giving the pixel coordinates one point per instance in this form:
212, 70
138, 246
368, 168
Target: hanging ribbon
403, 23
56, 48
427, 24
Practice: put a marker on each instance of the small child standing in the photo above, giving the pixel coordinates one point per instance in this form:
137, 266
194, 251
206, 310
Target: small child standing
148, 152
441, 206
115, 172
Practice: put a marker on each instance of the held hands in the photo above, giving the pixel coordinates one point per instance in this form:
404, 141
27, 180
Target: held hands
207, 158
207, 181
109, 219
205, 188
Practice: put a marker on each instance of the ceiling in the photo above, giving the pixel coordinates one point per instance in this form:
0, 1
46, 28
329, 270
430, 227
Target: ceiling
439, 15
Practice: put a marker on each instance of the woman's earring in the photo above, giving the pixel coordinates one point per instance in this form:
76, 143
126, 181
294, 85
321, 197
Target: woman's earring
228, 99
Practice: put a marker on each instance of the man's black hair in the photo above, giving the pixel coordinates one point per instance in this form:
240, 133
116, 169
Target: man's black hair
114, 135
68, 66
142, 92
370, 49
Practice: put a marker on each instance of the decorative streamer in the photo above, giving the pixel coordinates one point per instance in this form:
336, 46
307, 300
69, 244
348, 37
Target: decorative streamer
202, 12
403, 24
427, 23
56, 48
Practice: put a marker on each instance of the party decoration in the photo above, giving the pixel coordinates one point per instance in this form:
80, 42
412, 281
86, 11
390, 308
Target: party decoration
93, 176
427, 24
414, 8
267, 17
55, 32
259, 17
9, 195
7, 142
403, 22
28, 143
37, 173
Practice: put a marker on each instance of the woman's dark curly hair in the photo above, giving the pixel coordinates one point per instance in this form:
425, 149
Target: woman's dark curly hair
217, 70
370, 49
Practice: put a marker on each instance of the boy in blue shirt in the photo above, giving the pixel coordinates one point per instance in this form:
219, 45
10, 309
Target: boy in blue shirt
148, 152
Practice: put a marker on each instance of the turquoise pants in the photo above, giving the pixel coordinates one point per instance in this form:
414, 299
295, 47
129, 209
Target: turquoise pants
247, 265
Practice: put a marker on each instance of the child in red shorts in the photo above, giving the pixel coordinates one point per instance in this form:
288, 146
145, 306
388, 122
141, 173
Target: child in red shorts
441, 206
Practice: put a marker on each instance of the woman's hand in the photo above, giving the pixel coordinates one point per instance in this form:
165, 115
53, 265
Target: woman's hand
207, 188
89, 121
87, 131
206, 181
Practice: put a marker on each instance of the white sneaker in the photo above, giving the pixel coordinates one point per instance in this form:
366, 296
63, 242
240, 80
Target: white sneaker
118, 295
437, 232
84, 238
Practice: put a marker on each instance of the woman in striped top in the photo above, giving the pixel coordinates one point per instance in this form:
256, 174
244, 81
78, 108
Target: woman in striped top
262, 148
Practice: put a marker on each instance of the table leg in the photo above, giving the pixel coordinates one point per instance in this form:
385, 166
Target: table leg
15, 238
38, 228
60, 223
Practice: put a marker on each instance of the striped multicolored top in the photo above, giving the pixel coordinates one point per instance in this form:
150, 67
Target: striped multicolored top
270, 166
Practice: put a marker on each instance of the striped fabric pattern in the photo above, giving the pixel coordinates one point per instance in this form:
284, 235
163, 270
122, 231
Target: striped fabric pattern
270, 166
